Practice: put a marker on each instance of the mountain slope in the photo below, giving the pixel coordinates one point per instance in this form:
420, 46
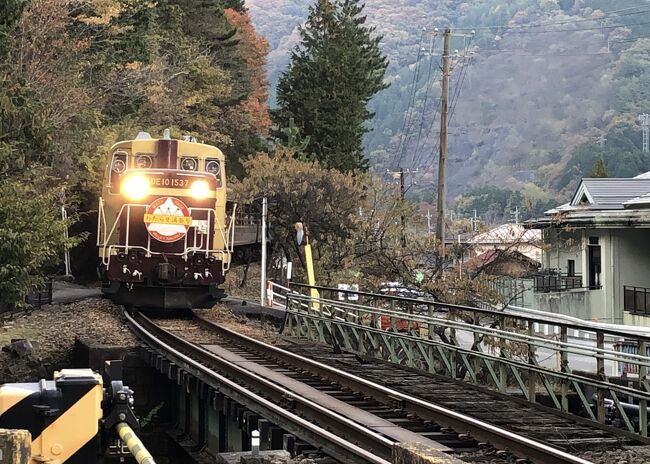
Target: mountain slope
541, 83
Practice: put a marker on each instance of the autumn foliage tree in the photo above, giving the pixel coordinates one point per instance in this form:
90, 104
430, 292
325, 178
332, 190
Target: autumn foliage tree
31, 228
354, 227
78, 75
325, 200
249, 118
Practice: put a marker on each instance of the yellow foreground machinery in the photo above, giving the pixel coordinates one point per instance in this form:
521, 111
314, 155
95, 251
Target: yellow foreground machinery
78, 417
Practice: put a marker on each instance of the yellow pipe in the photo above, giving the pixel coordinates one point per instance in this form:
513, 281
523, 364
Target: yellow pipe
139, 452
311, 279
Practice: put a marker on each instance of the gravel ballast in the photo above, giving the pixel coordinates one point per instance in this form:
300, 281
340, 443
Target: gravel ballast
52, 330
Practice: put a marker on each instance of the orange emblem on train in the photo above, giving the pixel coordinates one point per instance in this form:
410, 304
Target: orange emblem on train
168, 219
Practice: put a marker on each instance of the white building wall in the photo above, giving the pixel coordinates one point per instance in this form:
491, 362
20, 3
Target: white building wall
559, 248
632, 269
625, 260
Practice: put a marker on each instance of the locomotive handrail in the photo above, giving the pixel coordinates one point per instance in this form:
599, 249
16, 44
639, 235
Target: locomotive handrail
104, 259
101, 217
224, 254
230, 243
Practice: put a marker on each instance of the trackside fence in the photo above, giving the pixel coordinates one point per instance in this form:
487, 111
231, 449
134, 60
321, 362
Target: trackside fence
501, 350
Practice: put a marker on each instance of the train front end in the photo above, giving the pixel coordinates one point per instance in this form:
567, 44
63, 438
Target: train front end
164, 236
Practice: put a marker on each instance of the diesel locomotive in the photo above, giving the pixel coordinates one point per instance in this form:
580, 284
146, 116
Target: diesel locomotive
165, 234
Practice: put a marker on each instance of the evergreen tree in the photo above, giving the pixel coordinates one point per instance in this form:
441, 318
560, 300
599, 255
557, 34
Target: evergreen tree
237, 5
9, 15
333, 74
206, 21
599, 170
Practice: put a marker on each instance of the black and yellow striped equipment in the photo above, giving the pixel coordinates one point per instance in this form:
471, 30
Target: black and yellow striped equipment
65, 417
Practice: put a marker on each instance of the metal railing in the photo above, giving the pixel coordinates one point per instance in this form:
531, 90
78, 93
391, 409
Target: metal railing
488, 347
636, 300
556, 282
276, 295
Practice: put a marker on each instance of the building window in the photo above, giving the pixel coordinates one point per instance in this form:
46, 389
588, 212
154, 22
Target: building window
636, 300
571, 267
593, 263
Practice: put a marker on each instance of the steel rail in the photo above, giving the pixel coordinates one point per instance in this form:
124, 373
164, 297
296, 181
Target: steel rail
316, 435
536, 451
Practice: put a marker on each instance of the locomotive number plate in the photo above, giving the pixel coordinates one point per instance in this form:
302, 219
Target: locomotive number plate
172, 182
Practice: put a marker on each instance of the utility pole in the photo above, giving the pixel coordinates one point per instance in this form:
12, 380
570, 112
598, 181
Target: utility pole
429, 216
474, 222
442, 162
263, 295
516, 214
402, 194
644, 119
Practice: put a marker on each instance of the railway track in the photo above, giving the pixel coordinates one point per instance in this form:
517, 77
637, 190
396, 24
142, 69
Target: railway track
214, 371
563, 431
305, 389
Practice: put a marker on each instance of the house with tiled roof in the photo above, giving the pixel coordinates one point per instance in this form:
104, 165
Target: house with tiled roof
596, 253
508, 237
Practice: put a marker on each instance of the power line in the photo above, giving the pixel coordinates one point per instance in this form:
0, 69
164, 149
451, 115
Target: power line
630, 39
463, 73
595, 28
429, 89
512, 53
601, 20
454, 102
409, 109
426, 140
411, 114
558, 23
464, 65
516, 52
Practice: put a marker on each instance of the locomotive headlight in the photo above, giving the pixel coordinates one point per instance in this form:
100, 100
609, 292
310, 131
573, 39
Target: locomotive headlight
200, 189
135, 187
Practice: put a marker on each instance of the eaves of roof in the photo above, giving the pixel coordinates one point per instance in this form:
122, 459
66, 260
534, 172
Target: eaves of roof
585, 218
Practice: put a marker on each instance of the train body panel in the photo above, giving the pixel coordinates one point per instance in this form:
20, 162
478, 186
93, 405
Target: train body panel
165, 236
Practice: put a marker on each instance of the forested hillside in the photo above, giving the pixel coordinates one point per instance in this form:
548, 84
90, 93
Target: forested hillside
539, 92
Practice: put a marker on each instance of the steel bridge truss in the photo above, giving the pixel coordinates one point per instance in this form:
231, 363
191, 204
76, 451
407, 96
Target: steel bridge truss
489, 348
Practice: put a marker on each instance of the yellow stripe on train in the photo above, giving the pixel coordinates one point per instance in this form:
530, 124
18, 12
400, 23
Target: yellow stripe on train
168, 219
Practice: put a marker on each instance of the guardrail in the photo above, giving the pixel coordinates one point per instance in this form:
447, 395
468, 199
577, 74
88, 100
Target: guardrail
545, 283
498, 349
276, 295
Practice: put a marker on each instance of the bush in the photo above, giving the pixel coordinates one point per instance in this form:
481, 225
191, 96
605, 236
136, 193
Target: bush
31, 235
